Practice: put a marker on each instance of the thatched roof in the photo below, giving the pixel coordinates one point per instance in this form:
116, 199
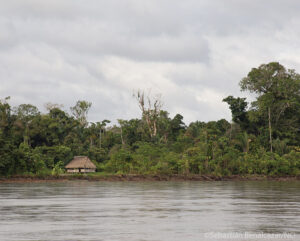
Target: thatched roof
81, 162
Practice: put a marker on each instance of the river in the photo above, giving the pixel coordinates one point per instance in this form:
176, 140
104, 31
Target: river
83, 210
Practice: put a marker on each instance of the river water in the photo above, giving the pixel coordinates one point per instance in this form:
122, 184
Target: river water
82, 210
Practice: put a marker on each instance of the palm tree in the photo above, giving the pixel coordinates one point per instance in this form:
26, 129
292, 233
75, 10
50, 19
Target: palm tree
244, 142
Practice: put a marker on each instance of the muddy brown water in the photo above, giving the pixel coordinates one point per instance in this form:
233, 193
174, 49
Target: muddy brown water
82, 210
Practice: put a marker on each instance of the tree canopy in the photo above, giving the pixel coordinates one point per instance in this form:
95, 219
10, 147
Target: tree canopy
262, 138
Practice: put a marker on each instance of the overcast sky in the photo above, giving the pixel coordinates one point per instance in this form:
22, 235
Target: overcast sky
192, 52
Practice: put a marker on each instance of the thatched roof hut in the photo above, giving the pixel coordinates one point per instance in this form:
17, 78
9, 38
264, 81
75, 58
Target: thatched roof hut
81, 164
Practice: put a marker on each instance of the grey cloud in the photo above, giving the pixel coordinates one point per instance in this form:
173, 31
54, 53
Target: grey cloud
102, 40
62, 51
7, 35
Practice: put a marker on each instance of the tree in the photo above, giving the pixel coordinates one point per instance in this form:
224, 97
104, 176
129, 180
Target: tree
5, 114
101, 126
50, 106
238, 107
244, 141
7, 147
122, 123
25, 114
80, 111
150, 111
278, 92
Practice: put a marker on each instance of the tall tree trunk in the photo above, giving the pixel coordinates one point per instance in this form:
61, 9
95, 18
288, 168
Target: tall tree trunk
26, 134
154, 128
122, 139
100, 138
270, 129
149, 124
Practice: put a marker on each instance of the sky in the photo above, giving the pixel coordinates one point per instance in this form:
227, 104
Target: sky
193, 52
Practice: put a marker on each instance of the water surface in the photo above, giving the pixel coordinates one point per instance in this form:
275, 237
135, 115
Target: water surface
82, 210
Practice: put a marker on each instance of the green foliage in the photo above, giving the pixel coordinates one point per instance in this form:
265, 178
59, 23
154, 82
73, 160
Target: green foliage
167, 164
277, 106
80, 111
238, 107
146, 156
120, 162
58, 168
43, 143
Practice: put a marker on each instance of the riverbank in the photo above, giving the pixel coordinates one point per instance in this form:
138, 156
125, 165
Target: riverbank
140, 178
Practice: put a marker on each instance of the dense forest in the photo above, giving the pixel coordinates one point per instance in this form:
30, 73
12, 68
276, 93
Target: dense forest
263, 137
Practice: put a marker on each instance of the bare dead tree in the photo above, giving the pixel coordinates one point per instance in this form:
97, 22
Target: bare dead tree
49, 106
150, 111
